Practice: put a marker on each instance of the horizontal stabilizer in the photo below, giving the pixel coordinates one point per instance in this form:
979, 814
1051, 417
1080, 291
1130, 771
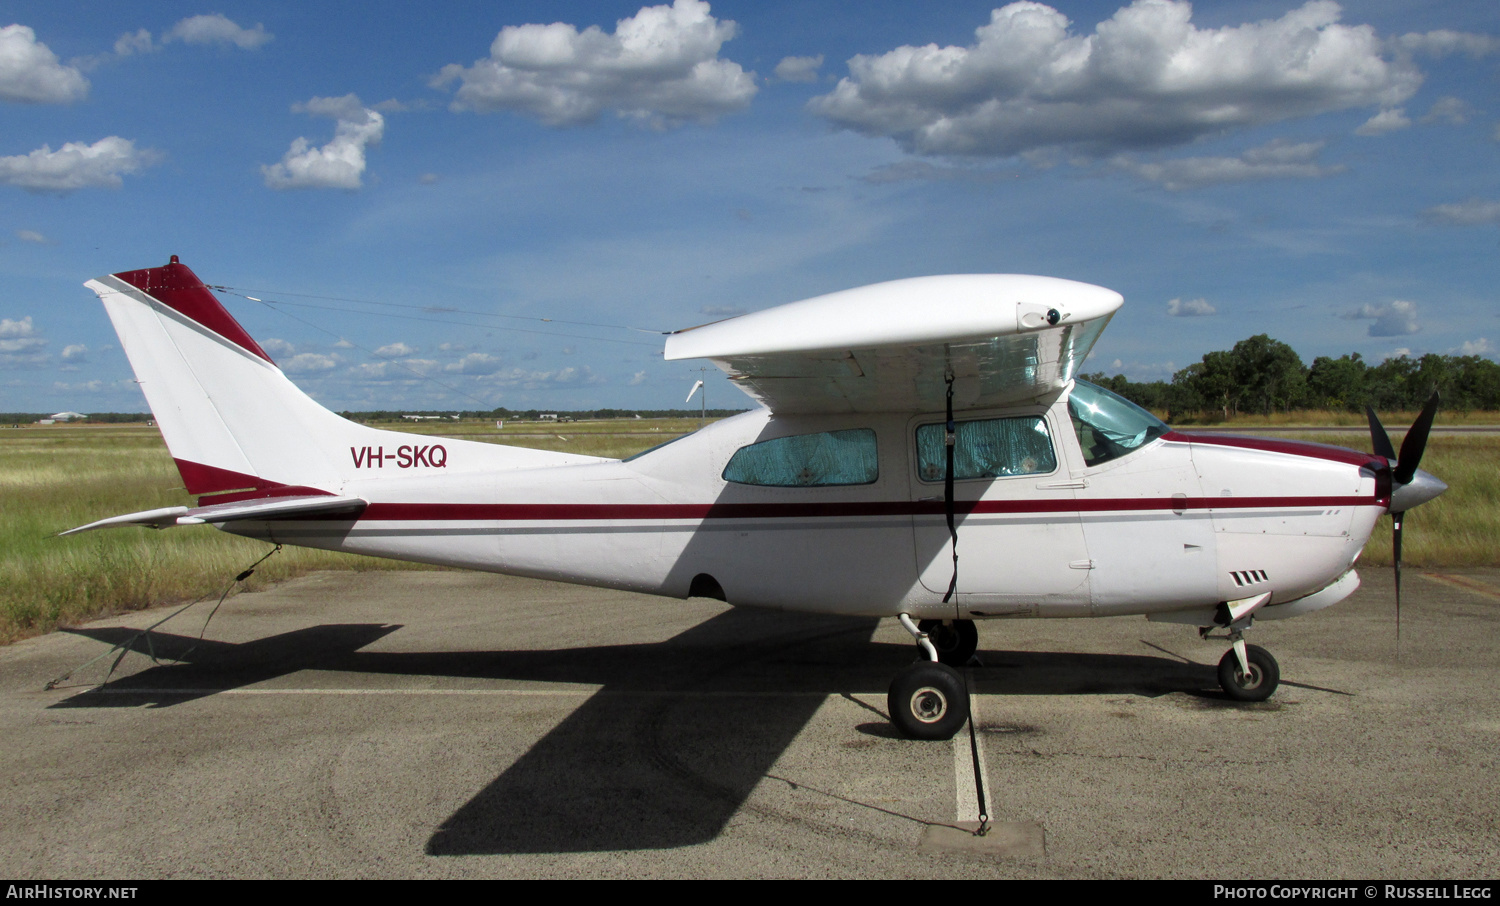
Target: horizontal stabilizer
276, 508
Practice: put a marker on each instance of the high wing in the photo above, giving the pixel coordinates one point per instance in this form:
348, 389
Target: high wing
888, 347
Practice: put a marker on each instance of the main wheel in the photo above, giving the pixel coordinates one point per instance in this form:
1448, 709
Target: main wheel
1258, 685
928, 701
955, 641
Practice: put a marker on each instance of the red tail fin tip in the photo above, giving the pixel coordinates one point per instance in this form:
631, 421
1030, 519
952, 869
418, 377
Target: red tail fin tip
177, 287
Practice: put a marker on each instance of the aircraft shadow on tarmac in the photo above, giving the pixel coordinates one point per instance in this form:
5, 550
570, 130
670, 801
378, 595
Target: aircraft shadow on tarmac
672, 745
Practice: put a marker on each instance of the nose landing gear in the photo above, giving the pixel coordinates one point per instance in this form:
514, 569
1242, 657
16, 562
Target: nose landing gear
1247, 673
1253, 680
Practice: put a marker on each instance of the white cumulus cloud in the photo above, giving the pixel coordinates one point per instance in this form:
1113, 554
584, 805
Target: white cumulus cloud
309, 363
73, 355
10, 329
210, 29
410, 370
32, 236
277, 347
1477, 346
1472, 212
520, 378
1147, 77
1385, 121
1450, 110
1443, 42
660, 66
1275, 160
76, 165
138, 41
338, 164
1187, 308
31, 74
217, 29
799, 69
475, 363
21, 345
1392, 319
395, 350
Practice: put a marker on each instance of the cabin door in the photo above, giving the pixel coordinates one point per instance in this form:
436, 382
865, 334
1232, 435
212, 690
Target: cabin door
1020, 541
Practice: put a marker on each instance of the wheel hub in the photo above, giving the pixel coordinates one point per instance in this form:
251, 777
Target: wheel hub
929, 705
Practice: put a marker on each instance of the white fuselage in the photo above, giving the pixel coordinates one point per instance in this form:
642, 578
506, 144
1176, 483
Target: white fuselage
1178, 524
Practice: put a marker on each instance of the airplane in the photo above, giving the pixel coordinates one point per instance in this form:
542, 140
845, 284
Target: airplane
924, 450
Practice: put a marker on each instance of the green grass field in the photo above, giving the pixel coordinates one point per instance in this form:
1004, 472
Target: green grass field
56, 477
53, 478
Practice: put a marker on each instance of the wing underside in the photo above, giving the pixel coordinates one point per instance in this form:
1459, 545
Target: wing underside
889, 347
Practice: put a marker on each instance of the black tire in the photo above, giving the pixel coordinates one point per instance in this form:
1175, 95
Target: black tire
1265, 675
928, 701
955, 641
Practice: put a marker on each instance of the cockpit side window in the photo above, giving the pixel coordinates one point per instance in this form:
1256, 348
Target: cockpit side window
1109, 426
807, 460
987, 448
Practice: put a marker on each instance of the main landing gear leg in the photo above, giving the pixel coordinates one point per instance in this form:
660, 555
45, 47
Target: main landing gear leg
955, 640
1247, 673
929, 699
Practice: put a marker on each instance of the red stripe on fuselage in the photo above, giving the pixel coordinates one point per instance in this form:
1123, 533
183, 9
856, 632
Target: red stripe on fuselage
1277, 445
178, 288
590, 512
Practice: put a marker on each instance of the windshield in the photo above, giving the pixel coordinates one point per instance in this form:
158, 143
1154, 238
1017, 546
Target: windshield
1108, 425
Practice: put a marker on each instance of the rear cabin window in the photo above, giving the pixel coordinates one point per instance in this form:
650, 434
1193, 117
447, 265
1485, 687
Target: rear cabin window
807, 460
987, 448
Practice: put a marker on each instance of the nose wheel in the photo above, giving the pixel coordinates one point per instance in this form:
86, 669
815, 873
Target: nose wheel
1248, 673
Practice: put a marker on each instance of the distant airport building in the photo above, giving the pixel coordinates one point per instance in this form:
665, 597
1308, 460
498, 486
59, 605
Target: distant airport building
62, 417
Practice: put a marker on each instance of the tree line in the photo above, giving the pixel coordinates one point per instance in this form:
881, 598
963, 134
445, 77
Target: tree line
1261, 375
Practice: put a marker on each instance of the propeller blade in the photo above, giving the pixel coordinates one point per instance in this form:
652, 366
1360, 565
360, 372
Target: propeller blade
1415, 442
1380, 440
1396, 558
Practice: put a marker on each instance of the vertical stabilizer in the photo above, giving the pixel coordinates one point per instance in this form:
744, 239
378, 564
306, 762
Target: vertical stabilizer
235, 423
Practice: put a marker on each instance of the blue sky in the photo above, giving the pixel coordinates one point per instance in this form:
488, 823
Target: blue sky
1328, 174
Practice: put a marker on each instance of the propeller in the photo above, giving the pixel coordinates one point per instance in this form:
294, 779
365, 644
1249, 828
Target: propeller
1409, 485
